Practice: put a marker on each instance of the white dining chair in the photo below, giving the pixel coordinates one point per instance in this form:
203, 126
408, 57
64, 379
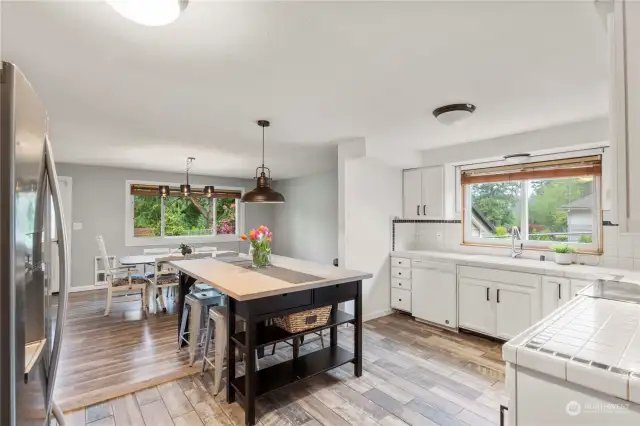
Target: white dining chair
206, 249
160, 250
120, 279
165, 277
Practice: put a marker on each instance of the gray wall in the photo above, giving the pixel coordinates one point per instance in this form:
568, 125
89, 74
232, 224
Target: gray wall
99, 204
306, 226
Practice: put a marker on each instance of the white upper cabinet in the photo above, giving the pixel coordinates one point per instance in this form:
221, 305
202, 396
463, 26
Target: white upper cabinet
624, 31
423, 193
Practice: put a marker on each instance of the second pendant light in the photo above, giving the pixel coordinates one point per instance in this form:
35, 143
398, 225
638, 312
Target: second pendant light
263, 192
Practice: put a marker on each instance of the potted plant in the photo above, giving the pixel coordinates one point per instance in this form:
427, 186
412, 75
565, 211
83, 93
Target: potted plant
185, 249
563, 254
260, 251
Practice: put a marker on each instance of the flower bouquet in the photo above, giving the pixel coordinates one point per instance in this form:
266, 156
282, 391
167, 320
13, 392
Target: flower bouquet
260, 251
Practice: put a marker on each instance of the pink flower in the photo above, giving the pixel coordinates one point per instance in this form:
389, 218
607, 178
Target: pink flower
270, 234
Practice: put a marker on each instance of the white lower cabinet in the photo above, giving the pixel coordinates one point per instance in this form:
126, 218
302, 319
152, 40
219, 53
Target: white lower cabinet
401, 299
498, 303
555, 293
577, 286
517, 308
434, 296
476, 311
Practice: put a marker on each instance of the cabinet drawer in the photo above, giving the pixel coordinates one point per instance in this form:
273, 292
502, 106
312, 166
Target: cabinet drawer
401, 262
401, 283
336, 293
401, 299
401, 273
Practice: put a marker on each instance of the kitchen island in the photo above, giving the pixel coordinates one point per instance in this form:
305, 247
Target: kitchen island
257, 295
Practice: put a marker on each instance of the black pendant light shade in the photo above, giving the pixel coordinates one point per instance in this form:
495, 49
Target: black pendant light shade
208, 191
164, 190
185, 190
263, 192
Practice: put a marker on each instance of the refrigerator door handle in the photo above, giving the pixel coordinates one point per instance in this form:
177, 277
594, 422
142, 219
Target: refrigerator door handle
63, 257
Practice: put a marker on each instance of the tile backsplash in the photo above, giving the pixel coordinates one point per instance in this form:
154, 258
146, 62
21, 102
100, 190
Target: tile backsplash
620, 250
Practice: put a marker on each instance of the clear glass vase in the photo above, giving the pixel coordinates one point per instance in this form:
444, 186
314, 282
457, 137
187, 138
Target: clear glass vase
261, 258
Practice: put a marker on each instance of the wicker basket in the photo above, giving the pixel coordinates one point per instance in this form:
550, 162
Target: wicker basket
305, 320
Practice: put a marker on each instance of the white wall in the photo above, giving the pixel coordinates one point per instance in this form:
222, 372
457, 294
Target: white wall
585, 132
306, 226
371, 193
98, 201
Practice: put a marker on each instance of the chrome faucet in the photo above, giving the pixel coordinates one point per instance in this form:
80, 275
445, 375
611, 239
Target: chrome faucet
515, 252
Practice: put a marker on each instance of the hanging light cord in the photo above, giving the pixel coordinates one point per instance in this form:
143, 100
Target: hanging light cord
263, 148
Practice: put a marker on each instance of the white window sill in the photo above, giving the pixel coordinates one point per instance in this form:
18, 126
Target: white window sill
176, 241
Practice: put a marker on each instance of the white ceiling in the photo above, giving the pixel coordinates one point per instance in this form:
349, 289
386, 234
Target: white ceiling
122, 94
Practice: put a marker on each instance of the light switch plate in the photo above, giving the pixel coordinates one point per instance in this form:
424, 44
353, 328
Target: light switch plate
439, 235
77, 226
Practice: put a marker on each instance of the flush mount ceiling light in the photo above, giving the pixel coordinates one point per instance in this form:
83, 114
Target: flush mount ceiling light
454, 113
152, 13
517, 158
263, 192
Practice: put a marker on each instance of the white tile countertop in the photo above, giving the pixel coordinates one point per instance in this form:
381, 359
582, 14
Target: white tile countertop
532, 266
591, 342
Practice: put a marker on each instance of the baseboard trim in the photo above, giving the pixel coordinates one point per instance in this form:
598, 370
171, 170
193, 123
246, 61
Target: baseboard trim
377, 314
86, 288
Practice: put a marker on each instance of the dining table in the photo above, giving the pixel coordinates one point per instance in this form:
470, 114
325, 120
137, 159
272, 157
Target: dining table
256, 295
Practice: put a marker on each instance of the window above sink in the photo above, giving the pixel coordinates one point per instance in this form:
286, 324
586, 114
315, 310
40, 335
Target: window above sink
551, 202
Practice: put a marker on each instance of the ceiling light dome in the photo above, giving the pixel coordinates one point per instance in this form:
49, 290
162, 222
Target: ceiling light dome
454, 113
152, 13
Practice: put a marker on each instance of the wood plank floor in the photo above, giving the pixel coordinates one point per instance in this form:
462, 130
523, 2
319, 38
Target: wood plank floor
413, 374
105, 357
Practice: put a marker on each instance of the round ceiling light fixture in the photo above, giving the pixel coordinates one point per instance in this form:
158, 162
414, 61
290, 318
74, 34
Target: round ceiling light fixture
454, 113
152, 13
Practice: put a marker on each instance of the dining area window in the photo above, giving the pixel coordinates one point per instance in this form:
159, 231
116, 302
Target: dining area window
550, 202
195, 216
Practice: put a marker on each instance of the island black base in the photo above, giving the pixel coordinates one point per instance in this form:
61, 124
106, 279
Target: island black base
256, 335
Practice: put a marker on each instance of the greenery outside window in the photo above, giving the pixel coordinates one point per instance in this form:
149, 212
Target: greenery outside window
549, 202
152, 219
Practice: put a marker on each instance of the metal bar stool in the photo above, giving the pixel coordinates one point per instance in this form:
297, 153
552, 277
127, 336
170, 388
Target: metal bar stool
218, 321
196, 304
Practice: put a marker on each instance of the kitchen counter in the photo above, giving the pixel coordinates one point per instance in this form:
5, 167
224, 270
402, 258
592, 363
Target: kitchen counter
590, 342
244, 283
549, 267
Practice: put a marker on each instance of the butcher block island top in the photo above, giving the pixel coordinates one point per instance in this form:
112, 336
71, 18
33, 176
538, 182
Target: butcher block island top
237, 279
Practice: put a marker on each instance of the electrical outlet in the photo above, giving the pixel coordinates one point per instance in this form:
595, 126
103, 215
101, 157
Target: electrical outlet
439, 235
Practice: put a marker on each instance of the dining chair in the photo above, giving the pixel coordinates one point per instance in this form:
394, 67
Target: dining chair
165, 277
206, 249
120, 279
160, 250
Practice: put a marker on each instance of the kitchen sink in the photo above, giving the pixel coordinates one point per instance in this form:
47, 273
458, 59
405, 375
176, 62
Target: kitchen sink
614, 290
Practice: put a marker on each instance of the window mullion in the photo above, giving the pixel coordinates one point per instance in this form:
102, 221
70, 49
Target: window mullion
524, 209
214, 206
162, 206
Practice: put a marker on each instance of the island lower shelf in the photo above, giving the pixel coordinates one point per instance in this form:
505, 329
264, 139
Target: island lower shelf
294, 370
272, 334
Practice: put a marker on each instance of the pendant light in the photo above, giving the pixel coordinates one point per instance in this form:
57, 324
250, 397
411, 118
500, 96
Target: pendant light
185, 189
263, 192
208, 191
164, 190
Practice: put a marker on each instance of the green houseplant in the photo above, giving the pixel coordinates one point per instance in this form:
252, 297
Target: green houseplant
564, 254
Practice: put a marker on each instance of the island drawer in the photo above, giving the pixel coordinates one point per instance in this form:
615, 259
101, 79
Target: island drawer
280, 302
336, 293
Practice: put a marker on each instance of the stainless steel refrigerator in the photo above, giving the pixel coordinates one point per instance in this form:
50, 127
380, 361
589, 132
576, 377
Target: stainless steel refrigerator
29, 203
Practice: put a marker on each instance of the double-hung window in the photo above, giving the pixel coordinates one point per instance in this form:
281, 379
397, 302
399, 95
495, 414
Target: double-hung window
152, 219
550, 202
